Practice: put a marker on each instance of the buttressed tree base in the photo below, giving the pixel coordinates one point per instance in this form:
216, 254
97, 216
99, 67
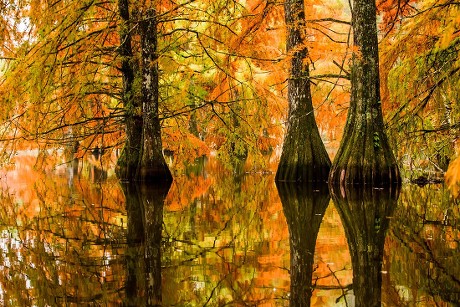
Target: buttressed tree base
304, 157
364, 155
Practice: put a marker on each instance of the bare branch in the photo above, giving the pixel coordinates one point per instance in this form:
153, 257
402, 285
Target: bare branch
329, 20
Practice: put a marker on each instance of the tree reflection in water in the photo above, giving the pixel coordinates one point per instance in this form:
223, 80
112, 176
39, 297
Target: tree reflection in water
365, 214
144, 206
304, 208
135, 237
73, 236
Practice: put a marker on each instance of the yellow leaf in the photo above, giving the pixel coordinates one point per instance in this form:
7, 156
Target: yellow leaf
453, 177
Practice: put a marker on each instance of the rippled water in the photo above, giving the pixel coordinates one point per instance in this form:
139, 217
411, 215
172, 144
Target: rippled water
75, 236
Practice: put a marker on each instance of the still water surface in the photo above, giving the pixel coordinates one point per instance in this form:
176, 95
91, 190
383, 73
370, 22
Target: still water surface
74, 236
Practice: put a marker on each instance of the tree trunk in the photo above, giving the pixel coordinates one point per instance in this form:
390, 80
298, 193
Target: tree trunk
365, 215
304, 157
153, 166
128, 162
365, 156
304, 208
142, 157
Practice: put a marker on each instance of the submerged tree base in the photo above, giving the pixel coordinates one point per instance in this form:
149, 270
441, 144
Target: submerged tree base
364, 157
150, 174
304, 157
155, 173
126, 167
302, 173
129, 169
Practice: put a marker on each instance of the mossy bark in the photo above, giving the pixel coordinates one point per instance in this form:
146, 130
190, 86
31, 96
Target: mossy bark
304, 208
142, 156
304, 157
365, 215
128, 162
152, 166
364, 155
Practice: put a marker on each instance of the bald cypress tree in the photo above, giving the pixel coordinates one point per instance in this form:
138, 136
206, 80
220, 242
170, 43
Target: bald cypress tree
304, 157
142, 157
364, 155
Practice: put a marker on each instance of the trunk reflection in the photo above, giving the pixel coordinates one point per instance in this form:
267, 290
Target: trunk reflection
304, 208
144, 206
365, 216
69, 237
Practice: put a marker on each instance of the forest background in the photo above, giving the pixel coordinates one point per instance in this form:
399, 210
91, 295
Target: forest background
222, 75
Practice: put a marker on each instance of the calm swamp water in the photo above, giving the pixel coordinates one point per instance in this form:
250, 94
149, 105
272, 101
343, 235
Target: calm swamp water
75, 236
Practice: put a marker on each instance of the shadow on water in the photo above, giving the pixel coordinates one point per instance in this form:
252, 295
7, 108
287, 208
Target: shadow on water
365, 215
144, 206
304, 208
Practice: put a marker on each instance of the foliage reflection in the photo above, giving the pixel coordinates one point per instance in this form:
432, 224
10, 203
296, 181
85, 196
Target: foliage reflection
226, 242
73, 236
423, 249
61, 236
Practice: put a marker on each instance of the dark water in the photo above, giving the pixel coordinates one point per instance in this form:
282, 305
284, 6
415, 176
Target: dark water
75, 236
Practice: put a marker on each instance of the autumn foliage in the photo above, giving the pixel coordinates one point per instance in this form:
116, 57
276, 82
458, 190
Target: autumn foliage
223, 70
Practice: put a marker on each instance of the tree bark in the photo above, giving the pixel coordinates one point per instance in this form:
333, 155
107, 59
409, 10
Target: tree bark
365, 215
128, 162
304, 157
304, 208
364, 155
142, 156
153, 166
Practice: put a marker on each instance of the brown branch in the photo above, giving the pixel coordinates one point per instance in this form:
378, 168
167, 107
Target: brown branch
330, 76
329, 20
